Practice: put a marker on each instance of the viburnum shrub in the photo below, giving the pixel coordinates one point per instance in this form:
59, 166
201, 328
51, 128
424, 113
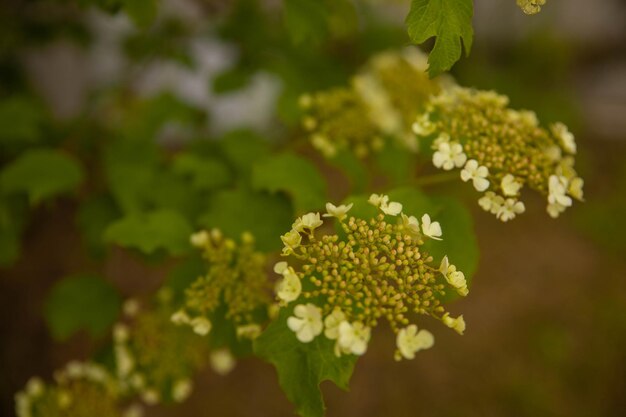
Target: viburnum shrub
261, 260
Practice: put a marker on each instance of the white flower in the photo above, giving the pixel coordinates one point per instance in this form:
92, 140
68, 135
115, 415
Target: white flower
340, 212
332, 322
410, 341
120, 333
281, 267
510, 187
307, 323
181, 390
449, 155
131, 307
180, 317
35, 387
444, 266
510, 209
201, 325
124, 360
442, 138
555, 209
392, 209
353, 338
305, 101
423, 126
248, 331
565, 137
377, 199
291, 240
135, 410
199, 239
491, 202
222, 361
289, 288
432, 230
411, 225
309, 221
557, 188
575, 188
150, 396
478, 175
382, 201
458, 324
455, 278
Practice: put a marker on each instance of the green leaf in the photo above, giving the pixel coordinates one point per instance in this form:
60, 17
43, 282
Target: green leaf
142, 12
205, 173
240, 210
450, 21
148, 232
243, 148
41, 174
93, 218
353, 168
396, 164
20, 121
130, 168
301, 367
231, 79
306, 20
294, 175
81, 303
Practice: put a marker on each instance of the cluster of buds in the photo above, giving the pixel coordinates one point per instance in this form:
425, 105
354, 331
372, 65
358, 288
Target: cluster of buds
155, 359
378, 269
236, 278
499, 150
381, 103
80, 390
531, 6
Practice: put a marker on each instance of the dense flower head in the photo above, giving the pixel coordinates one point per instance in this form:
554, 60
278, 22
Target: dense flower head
155, 358
80, 390
381, 102
236, 277
500, 151
531, 6
342, 285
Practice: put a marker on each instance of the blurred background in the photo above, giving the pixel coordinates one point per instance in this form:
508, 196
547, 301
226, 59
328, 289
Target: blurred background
547, 310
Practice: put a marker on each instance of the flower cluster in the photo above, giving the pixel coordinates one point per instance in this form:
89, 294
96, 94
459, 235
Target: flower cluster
500, 150
531, 6
381, 103
236, 278
378, 270
154, 358
80, 390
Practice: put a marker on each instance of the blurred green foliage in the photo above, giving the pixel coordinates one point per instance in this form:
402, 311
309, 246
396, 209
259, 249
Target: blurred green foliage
81, 302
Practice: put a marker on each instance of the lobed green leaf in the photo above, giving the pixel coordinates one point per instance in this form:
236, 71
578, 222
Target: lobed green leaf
448, 20
41, 174
294, 175
301, 367
81, 302
149, 232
